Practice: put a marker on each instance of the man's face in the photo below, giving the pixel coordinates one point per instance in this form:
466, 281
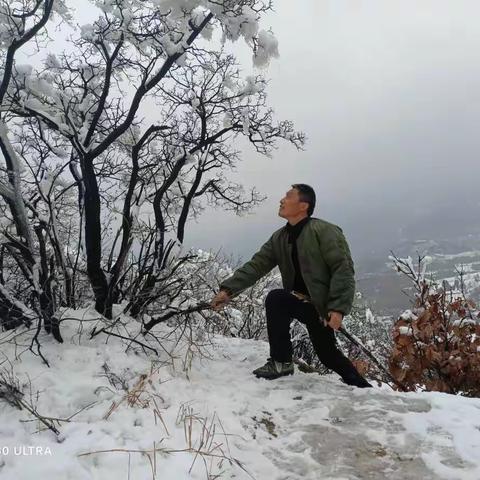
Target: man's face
291, 205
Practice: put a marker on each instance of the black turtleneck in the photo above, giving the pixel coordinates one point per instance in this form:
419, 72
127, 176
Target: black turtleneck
293, 233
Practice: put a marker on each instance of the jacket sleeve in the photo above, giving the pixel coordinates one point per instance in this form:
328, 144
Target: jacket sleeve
257, 267
336, 253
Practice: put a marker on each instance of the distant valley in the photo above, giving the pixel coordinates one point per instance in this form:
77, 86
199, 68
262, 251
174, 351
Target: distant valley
389, 292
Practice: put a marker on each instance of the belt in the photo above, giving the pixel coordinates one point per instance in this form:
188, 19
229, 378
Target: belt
301, 296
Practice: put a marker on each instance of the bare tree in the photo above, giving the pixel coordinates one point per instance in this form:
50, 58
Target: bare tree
109, 193
22, 22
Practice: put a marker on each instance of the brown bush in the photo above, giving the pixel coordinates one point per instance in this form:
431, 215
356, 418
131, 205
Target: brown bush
438, 347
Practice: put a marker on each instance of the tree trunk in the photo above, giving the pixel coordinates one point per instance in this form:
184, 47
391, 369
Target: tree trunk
93, 238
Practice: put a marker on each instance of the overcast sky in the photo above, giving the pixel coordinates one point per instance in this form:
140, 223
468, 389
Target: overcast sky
388, 95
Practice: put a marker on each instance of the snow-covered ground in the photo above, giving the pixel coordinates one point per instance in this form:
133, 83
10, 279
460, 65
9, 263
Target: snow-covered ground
299, 427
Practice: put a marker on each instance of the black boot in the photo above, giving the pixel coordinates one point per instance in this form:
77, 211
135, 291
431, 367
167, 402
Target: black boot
273, 369
355, 379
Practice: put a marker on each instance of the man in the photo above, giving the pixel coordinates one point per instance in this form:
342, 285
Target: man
318, 286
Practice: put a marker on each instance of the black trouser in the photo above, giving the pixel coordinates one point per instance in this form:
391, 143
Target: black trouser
282, 307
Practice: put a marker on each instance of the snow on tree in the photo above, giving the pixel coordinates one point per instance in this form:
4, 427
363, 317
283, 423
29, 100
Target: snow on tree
89, 183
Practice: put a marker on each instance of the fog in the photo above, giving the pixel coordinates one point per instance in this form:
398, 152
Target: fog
388, 96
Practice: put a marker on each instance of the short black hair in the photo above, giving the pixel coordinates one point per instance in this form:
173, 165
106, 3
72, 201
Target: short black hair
306, 194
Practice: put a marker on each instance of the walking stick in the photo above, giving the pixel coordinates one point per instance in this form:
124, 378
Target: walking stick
207, 306
195, 308
367, 352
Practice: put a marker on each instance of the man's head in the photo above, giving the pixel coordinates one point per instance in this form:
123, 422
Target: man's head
298, 202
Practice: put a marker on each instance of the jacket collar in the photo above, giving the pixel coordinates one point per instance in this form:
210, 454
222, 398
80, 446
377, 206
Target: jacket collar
295, 230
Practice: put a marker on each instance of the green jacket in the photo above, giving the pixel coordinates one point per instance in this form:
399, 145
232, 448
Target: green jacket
325, 263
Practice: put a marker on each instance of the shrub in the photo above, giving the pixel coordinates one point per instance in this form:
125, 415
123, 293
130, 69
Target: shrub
437, 343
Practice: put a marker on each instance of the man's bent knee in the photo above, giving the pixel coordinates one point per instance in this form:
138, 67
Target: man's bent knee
275, 296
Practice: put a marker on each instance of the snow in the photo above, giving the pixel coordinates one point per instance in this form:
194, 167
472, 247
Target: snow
471, 281
303, 426
23, 70
267, 48
471, 253
245, 120
15, 194
369, 316
171, 47
252, 86
227, 120
408, 315
61, 9
195, 102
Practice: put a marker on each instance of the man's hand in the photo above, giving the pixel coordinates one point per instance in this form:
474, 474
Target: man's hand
334, 320
220, 300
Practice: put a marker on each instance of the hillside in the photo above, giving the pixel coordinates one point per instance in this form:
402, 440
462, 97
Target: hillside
213, 414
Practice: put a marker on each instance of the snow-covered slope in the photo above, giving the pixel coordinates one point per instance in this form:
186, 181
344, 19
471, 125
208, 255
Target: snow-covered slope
299, 427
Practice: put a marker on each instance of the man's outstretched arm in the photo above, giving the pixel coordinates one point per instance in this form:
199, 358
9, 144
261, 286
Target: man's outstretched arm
247, 275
